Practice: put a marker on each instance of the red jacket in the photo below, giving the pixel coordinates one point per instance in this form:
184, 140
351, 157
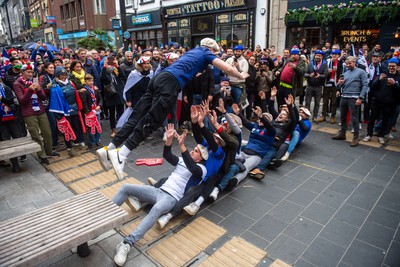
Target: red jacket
24, 97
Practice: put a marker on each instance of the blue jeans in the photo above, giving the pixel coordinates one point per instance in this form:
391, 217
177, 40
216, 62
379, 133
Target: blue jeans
294, 141
94, 138
267, 158
232, 171
162, 203
236, 93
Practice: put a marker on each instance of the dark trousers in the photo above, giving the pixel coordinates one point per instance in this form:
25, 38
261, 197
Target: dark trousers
378, 109
150, 112
347, 104
283, 93
329, 101
115, 113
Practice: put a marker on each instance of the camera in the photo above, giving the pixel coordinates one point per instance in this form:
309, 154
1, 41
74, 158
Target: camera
235, 59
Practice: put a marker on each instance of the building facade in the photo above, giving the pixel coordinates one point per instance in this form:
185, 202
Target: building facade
185, 23
351, 28
77, 18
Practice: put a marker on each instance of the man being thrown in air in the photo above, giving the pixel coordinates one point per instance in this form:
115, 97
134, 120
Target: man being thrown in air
158, 101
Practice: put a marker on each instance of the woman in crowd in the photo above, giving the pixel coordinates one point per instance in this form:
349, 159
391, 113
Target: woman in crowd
113, 79
66, 104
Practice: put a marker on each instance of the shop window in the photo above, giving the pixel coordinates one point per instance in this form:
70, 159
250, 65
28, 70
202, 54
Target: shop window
99, 7
145, 2
173, 36
73, 11
311, 35
184, 23
128, 2
184, 37
224, 18
66, 12
203, 25
62, 12
172, 24
240, 17
80, 6
232, 35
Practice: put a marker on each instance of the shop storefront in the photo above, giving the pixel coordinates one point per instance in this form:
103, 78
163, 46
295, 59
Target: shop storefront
70, 40
352, 27
229, 22
145, 29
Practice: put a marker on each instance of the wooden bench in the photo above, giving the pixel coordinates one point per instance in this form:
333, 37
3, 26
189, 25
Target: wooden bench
18, 147
34, 237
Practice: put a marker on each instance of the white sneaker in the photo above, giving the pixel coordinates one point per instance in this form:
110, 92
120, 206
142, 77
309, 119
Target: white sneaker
192, 208
381, 140
151, 181
122, 253
244, 142
104, 160
133, 203
389, 136
118, 162
214, 194
286, 156
162, 221
367, 138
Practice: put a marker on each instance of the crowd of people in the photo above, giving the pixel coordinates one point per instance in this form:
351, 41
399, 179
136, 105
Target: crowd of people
221, 92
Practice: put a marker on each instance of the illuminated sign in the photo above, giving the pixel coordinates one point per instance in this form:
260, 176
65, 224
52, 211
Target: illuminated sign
354, 36
141, 19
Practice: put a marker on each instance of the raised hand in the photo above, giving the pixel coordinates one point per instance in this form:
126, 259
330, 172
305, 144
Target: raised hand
289, 100
221, 106
202, 114
181, 138
170, 131
274, 91
262, 95
206, 107
236, 108
194, 114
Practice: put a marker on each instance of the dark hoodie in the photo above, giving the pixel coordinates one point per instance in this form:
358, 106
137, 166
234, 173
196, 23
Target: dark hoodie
127, 67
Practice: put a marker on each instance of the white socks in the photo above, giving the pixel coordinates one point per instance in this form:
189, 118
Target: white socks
111, 146
199, 201
124, 151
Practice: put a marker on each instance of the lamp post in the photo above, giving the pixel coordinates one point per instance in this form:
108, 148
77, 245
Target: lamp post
124, 25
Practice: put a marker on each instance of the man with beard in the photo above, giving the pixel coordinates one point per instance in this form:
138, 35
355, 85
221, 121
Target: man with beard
156, 59
316, 74
291, 77
170, 58
89, 66
354, 86
127, 65
329, 92
240, 63
386, 91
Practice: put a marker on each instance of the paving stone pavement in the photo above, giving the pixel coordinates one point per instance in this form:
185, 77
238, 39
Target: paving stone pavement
329, 205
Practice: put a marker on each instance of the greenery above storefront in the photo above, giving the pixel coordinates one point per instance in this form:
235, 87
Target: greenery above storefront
378, 11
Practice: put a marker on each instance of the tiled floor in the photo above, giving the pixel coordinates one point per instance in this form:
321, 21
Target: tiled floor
329, 205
